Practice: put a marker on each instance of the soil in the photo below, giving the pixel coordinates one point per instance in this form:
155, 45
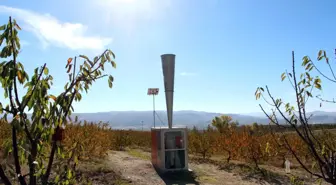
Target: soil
138, 170
133, 167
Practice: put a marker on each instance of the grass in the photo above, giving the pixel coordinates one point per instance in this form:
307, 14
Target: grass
202, 176
122, 182
138, 154
246, 171
207, 179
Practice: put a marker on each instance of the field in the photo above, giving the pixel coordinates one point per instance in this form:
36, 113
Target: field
244, 155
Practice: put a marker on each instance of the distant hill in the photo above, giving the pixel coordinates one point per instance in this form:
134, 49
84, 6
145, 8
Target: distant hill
317, 118
200, 119
132, 119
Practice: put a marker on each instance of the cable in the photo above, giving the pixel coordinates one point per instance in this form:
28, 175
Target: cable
159, 118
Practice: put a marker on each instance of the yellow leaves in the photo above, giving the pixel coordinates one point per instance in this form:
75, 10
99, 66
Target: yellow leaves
87, 59
317, 83
69, 64
3, 27
323, 150
305, 60
267, 149
46, 71
307, 63
258, 92
93, 140
318, 86
110, 80
69, 61
17, 116
19, 75
52, 97
321, 54
283, 76
113, 55
114, 65
309, 94
17, 26
83, 56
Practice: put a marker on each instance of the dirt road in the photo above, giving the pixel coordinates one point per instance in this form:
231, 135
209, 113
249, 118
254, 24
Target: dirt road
139, 171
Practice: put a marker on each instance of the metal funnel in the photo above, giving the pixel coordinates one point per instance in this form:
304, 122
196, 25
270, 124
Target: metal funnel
168, 69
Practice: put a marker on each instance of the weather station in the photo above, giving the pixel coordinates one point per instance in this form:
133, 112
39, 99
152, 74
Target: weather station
169, 144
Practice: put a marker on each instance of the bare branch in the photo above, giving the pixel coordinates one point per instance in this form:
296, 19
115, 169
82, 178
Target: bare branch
14, 139
290, 81
301, 110
322, 73
14, 61
74, 70
332, 71
298, 159
7, 110
275, 121
34, 88
54, 145
324, 100
3, 176
16, 157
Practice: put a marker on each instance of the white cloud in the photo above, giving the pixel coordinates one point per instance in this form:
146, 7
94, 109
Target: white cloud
51, 31
187, 74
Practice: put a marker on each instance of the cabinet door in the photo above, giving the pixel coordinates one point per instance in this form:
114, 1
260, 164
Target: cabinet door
174, 140
174, 159
174, 149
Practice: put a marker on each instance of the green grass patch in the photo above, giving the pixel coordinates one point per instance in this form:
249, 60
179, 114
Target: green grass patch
138, 154
122, 182
207, 179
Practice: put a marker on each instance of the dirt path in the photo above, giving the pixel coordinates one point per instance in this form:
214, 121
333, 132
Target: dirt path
138, 169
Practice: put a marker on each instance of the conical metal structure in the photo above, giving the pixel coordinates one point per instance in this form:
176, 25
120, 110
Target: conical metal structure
168, 69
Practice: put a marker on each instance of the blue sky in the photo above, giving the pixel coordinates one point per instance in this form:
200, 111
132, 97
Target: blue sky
224, 49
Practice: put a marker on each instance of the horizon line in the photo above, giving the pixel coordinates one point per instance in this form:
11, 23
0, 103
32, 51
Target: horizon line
190, 111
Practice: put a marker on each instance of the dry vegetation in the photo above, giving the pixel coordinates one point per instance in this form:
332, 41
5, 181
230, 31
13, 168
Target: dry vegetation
235, 148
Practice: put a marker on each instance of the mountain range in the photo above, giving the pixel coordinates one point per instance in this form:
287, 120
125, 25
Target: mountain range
144, 119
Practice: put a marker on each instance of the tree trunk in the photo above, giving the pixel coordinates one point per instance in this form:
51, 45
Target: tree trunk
16, 157
229, 157
31, 159
3, 178
283, 162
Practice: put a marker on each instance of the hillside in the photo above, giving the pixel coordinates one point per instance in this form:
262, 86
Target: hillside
132, 119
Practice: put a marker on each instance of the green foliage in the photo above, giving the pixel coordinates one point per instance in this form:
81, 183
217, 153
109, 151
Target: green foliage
224, 123
36, 142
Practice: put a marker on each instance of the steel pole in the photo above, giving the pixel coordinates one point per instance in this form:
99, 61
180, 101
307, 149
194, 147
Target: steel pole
154, 109
142, 125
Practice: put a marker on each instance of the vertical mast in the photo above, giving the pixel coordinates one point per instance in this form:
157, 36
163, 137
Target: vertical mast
168, 69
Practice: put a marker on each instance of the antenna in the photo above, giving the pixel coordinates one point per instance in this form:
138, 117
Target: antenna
154, 92
168, 69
